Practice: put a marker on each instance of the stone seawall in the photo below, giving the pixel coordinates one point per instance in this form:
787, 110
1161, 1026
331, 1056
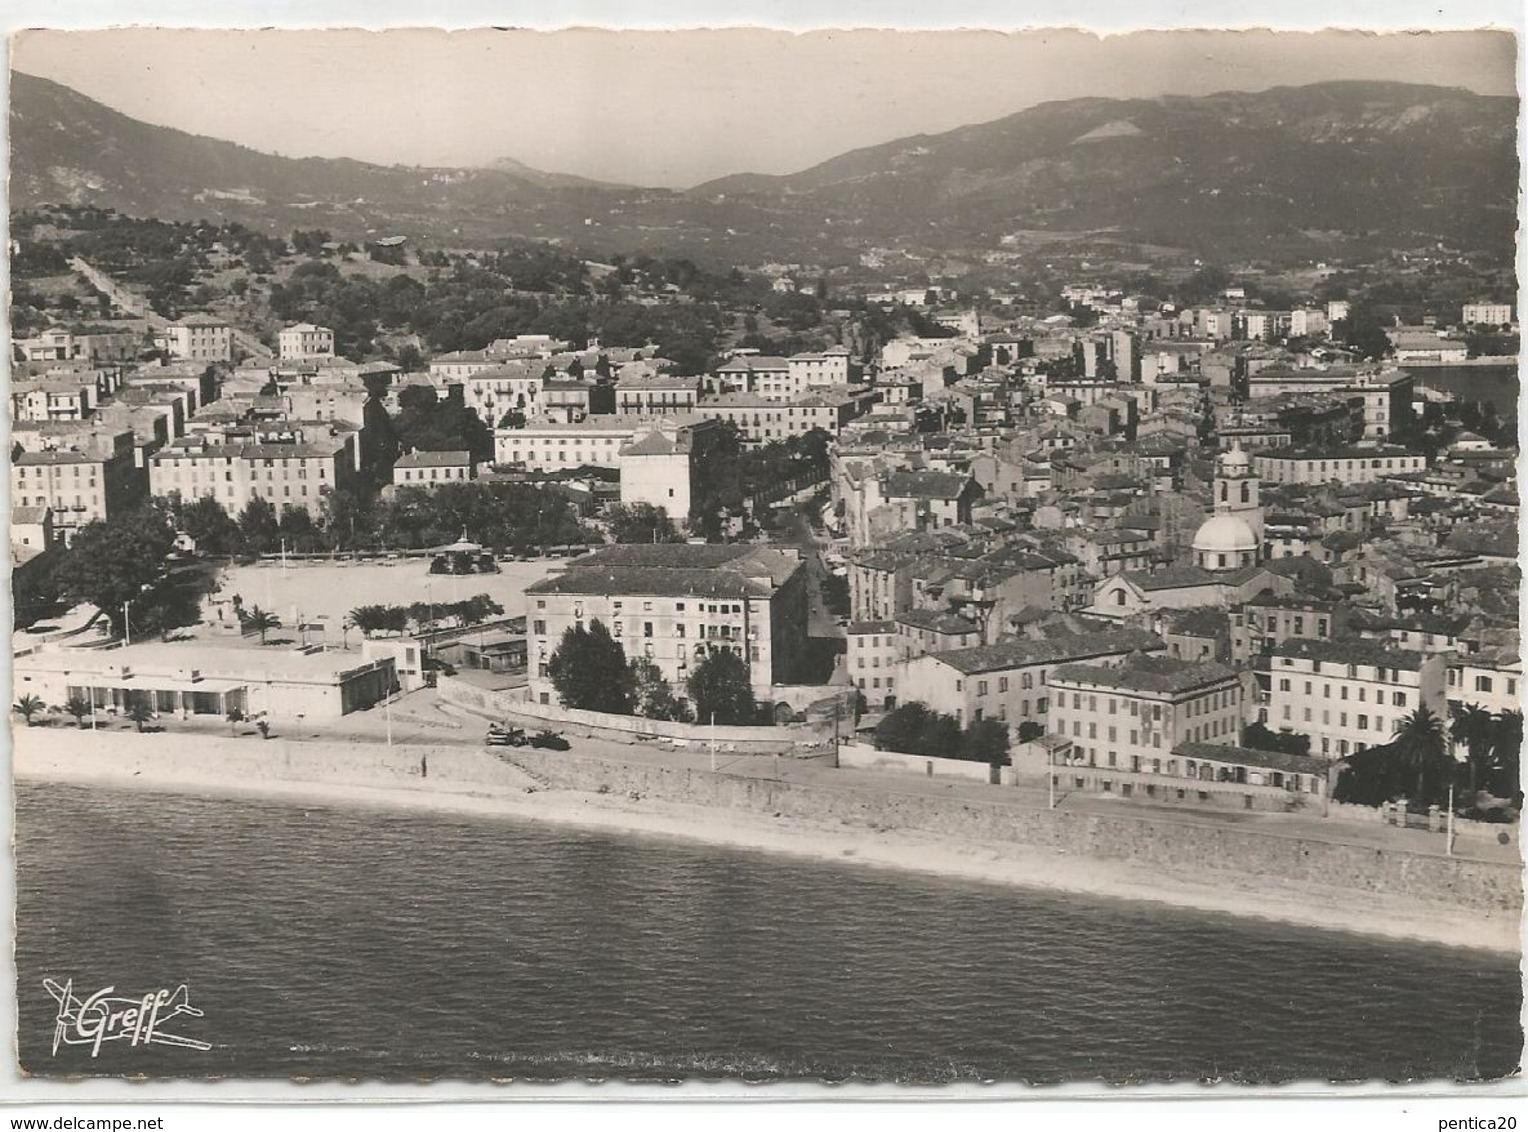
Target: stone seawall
1227, 856
172, 758
1181, 848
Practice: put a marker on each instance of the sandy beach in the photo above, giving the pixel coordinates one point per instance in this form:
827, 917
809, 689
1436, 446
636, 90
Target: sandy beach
83, 763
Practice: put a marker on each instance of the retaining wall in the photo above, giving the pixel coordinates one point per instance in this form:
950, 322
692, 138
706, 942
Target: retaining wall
1180, 847
865, 757
625, 728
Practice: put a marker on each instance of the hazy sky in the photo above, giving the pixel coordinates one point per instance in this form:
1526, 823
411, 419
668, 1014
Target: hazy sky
677, 108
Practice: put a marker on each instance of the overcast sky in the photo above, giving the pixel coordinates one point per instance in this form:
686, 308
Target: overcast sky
678, 108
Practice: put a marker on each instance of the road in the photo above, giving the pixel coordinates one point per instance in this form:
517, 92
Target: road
138, 307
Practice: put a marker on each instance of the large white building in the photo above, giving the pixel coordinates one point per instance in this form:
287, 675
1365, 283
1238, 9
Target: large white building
208, 680
829, 368
660, 467
513, 387
1487, 314
200, 338
285, 475
1006, 681
1343, 465
1489, 682
674, 604
557, 445
1350, 694
97, 479
306, 341
1131, 716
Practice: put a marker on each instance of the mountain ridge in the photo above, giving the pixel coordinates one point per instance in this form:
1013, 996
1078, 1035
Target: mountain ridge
1387, 161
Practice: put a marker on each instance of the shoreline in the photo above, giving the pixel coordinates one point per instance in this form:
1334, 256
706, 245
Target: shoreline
902, 850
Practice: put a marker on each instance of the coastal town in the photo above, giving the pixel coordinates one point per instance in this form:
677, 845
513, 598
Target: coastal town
1208, 556
998, 564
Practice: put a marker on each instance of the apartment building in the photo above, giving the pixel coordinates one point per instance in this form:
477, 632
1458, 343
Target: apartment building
656, 396
305, 341
200, 338
431, 469
1487, 314
768, 378
831, 367
873, 657
1343, 465
513, 387
460, 364
1011, 680
1350, 694
96, 478
298, 473
1131, 716
52, 399
674, 604
760, 419
1488, 681
556, 445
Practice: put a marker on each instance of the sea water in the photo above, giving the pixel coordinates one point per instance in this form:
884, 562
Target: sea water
325, 941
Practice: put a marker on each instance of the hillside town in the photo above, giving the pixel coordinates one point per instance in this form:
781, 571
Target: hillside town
1252, 551
852, 559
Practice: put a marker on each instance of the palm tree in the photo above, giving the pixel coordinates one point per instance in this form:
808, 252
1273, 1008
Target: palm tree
1422, 746
260, 620
1472, 728
140, 713
78, 707
1506, 747
28, 706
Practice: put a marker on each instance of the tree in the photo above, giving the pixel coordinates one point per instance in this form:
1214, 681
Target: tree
260, 621
28, 706
590, 672
1473, 729
207, 521
139, 712
1425, 755
1261, 738
721, 689
1029, 731
652, 695
986, 740
112, 562
641, 522
1506, 749
258, 526
900, 728
79, 707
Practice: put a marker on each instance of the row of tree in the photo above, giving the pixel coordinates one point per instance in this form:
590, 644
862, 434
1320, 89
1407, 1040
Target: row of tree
591, 672
372, 619
508, 515
1417, 765
914, 728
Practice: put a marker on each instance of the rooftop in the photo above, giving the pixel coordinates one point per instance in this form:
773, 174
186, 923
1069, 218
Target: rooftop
419, 459
1018, 652
1146, 674
1250, 756
1349, 651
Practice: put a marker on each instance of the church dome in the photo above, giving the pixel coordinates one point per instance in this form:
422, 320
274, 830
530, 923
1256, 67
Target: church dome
1226, 534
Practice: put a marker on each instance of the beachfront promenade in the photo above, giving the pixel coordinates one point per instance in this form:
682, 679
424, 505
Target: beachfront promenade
423, 718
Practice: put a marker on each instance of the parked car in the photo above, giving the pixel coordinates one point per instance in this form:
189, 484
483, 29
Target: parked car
550, 740
501, 736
